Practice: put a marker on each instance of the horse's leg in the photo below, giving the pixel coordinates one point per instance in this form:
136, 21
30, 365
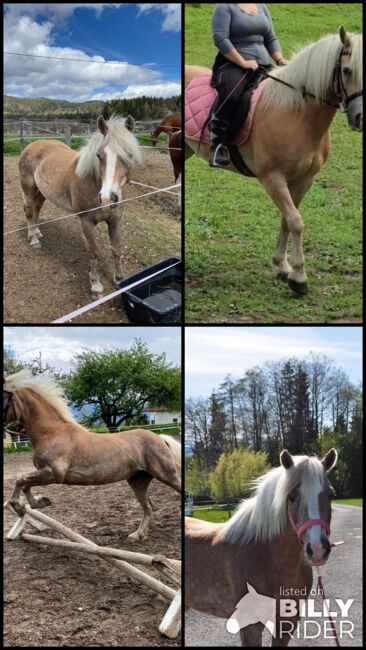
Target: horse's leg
276, 187
139, 483
114, 230
88, 227
280, 255
24, 482
251, 636
33, 202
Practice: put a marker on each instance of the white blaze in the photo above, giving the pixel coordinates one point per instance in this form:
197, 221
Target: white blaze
109, 186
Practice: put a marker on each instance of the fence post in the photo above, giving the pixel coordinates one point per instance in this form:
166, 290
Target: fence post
68, 136
21, 141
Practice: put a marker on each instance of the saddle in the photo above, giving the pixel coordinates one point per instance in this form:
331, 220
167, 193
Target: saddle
199, 102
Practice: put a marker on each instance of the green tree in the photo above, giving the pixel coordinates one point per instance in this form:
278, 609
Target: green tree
119, 384
232, 476
197, 479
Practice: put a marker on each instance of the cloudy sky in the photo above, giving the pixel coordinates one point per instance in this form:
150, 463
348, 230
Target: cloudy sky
213, 352
146, 38
59, 344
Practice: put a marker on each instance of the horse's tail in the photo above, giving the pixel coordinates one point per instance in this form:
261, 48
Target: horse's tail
175, 448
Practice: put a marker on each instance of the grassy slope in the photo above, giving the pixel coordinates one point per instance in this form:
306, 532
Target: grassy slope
231, 230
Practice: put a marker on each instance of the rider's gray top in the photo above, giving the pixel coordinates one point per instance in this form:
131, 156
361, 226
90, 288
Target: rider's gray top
252, 35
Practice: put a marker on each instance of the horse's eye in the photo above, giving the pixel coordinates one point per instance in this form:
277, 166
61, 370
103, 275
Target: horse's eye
98, 156
347, 72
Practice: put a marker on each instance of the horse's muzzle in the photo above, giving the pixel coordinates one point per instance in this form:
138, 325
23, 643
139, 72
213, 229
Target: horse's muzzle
106, 202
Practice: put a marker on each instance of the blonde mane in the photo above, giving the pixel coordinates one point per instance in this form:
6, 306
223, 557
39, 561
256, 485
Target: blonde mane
312, 67
264, 515
119, 138
44, 385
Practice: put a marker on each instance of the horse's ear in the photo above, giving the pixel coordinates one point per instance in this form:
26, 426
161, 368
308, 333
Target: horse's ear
102, 125
330, 460
251, 589
286, 459
130, 123
344, 37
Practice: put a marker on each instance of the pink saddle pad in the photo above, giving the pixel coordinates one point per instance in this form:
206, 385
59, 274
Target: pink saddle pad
199, 97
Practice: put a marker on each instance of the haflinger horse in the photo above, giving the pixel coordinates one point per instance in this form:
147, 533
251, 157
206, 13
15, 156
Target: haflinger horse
289, 141
80, 181
267, 549
170, 124
65, 452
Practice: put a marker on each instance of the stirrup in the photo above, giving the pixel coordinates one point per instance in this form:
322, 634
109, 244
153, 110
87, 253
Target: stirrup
223, 151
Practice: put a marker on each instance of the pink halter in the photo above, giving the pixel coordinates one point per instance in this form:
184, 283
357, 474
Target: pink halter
308, 524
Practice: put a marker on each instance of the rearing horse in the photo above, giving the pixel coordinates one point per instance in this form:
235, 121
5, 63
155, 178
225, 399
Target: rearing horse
80, 181
65, 452
170, 124
289, 141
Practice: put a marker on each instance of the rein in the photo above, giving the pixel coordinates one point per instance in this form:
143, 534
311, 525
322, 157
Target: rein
299, 531
340, 90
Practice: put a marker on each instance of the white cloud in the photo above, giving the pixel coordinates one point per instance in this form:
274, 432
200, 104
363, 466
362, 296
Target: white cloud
37, 77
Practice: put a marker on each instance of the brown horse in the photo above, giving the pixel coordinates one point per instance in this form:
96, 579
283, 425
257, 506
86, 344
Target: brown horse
170, 124
290, 142
65, 452
175, 151
257, 555
81, 181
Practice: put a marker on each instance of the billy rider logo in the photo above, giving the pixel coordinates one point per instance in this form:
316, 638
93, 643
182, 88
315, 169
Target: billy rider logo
257, 608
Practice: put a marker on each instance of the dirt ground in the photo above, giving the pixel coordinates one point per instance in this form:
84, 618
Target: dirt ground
42, 286
58, 598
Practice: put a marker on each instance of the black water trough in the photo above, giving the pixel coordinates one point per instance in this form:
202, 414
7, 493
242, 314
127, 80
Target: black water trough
157, 299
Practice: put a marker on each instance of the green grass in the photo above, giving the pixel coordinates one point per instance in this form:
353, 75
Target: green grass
16, 450
216, 515
232, 225
349, 502
11, 148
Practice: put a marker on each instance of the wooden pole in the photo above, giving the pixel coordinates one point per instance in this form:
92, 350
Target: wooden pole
131, 571
68, 136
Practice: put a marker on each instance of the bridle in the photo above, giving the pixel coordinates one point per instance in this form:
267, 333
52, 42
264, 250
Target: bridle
299, 530
9, 403
340, 89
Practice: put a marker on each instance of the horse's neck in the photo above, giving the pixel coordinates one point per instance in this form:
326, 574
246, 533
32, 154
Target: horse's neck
36, 415
162, 127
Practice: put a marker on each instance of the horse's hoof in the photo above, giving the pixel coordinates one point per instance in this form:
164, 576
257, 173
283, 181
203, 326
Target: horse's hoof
37, 246
300, 288
43, 502
96, 296
18, 507
134, 536
283, 276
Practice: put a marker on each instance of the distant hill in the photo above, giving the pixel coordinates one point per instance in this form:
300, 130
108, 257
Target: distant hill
141, 108
17, 107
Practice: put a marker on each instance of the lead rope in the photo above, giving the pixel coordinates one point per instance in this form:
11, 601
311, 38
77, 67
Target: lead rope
299, 532
321, 591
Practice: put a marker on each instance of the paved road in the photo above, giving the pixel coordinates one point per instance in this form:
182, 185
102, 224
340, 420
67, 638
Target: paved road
342, 579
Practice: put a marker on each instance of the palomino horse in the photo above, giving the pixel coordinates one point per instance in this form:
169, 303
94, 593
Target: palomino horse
266, 548
80, 181
289, 142
170, 124
65, 452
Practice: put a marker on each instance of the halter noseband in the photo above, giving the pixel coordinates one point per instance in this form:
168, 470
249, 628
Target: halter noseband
341, 91
308, 524
8, 404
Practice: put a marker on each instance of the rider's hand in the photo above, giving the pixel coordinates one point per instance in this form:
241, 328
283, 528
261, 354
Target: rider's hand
250, 65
